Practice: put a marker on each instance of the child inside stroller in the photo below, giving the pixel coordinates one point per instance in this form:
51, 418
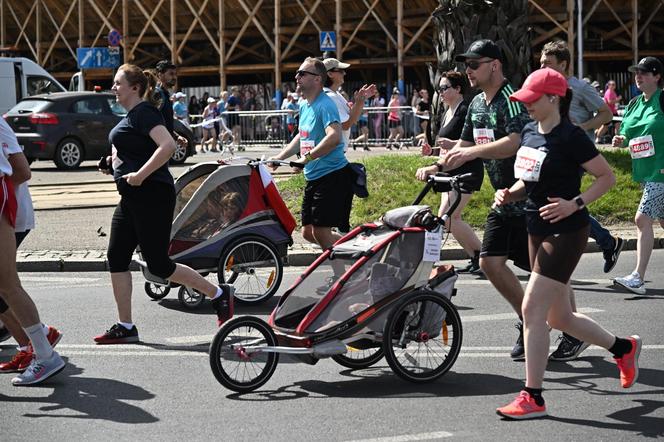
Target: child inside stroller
375, 292
230, 221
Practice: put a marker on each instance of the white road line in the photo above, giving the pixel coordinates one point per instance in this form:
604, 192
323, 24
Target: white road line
502, 316
606, 281
409, 437
45, 279
190, 339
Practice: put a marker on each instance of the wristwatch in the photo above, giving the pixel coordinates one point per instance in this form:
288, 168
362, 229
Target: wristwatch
438, 165
308, 157
579, 202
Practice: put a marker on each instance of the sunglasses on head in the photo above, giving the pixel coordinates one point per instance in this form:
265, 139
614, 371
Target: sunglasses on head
302, 73
343, 71
475, 64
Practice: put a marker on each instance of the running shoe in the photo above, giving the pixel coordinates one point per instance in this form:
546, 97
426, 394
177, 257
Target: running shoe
632, 282
223, 305
473, 266
118, 334
4, 334
523, 407
628, 364
39, 371
611, 255
569, 348
518, 353
18, 363
53, 336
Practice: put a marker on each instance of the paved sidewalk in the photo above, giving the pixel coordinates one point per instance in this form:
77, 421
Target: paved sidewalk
300, 254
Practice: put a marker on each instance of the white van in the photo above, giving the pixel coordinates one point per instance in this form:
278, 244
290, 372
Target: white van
22, 77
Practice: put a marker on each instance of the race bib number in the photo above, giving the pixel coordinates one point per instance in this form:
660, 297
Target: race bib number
432, 241
306, 146
528, 164
483, 136
642, 147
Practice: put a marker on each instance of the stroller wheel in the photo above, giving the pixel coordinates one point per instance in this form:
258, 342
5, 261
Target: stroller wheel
190, 298
253, 266
155, 291
234, 365
358, 358
422, 337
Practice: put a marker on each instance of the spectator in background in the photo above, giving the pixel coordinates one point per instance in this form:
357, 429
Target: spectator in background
233, 105
209, 132
377, 117
414, 101
612, 99
394, 120
195, 108
422, 113
180, 109
293, 109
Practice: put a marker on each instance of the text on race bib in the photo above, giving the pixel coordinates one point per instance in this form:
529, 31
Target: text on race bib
483, 136
642, 147
528, 164
306, 146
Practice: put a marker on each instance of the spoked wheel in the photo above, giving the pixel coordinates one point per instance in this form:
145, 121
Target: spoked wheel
422, 337
155, 291
231, 359
254, 268
356, 358
190, 298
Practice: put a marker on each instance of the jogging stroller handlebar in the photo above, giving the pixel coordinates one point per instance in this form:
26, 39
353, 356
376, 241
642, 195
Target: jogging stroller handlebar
442, 182
269, 162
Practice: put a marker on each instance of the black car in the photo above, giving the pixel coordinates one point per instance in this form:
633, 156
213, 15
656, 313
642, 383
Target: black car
71, 127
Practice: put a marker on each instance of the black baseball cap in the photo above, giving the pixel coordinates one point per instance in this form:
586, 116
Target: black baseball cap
479, 49
648, 64
164, 65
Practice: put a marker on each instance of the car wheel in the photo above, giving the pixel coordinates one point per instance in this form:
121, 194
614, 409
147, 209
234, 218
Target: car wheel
181, 151
69, 154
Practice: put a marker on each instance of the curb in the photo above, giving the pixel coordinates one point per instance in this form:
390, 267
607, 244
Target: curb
302, 257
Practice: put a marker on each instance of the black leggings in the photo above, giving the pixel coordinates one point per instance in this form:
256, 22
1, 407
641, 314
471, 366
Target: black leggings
556, 256
143, 217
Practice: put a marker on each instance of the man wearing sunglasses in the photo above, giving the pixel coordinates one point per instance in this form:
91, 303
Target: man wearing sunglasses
492, 132
328, 193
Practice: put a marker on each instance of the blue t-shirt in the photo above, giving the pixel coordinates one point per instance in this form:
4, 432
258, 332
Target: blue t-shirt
314, 119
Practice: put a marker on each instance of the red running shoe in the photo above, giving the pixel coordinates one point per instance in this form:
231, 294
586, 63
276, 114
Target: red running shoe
53, 336
18, 363
629, 363
523, 407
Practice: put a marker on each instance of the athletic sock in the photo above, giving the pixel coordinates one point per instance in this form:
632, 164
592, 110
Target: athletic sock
42, 348
24, 348
219, 293
536, 394
127, 325
620, 347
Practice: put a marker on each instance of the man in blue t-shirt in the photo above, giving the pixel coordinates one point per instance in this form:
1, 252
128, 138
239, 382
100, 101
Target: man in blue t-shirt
328, 193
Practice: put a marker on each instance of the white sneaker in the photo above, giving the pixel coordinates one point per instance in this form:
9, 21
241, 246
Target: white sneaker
39, 371
632, 282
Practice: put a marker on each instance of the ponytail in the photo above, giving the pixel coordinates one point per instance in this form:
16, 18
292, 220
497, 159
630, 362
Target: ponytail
565, 103
151, 95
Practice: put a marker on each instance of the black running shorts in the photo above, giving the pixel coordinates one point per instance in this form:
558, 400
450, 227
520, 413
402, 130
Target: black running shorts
327, 200
506, 236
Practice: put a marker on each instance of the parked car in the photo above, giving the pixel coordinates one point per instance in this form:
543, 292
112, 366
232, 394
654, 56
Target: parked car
72, 127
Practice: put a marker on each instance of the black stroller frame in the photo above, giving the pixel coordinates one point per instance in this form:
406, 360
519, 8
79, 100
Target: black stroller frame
385, 298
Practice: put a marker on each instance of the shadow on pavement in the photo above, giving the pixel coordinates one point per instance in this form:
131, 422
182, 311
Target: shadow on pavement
634, 420
380, 382
88, 398
206, 308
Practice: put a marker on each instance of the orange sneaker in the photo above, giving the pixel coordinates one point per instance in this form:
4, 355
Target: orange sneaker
523, 407
629, 363
18, 363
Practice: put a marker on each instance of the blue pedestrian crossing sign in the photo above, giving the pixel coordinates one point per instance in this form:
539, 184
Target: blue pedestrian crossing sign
95, 58
328, 41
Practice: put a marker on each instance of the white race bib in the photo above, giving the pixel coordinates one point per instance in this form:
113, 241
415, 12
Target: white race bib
528, 164
483, 136
432, 242
306, 146
642, 147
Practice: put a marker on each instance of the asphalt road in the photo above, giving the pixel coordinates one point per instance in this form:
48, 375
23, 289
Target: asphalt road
163, 388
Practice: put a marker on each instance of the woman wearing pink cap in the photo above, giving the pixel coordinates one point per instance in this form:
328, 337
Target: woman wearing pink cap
553, 156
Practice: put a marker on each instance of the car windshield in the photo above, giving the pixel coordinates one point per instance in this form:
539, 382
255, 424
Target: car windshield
29, 106
116, 107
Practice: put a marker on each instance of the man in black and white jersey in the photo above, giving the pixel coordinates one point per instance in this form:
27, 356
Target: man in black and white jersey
492, 132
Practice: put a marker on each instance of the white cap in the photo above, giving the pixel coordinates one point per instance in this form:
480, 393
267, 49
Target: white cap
211, 100
333, 63
180, 95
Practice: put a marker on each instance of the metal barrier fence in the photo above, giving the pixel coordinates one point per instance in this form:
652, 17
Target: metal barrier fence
270, 127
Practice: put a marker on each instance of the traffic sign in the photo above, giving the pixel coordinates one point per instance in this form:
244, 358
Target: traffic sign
328, 41
95, 58
114, 37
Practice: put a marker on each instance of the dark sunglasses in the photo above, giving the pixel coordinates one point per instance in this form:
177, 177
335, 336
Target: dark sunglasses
475, 64
302, 73
444, 88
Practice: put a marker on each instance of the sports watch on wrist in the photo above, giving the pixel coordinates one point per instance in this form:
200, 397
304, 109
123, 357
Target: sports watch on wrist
308, 157
579, 202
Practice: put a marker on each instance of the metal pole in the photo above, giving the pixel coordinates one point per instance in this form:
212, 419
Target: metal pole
635, 31
2, 23
579, 37
222, 47
38, 35
125, 31
337, 28
570, 31
400, 73
277, 54
81, 34
174, 52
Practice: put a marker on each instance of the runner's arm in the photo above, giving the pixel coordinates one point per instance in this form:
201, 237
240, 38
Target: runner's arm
603, 116
329, 142
20, 167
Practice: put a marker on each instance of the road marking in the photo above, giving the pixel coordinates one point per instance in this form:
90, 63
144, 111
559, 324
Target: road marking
408, 437
190, 339
44, 279
503, 316
581, 282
